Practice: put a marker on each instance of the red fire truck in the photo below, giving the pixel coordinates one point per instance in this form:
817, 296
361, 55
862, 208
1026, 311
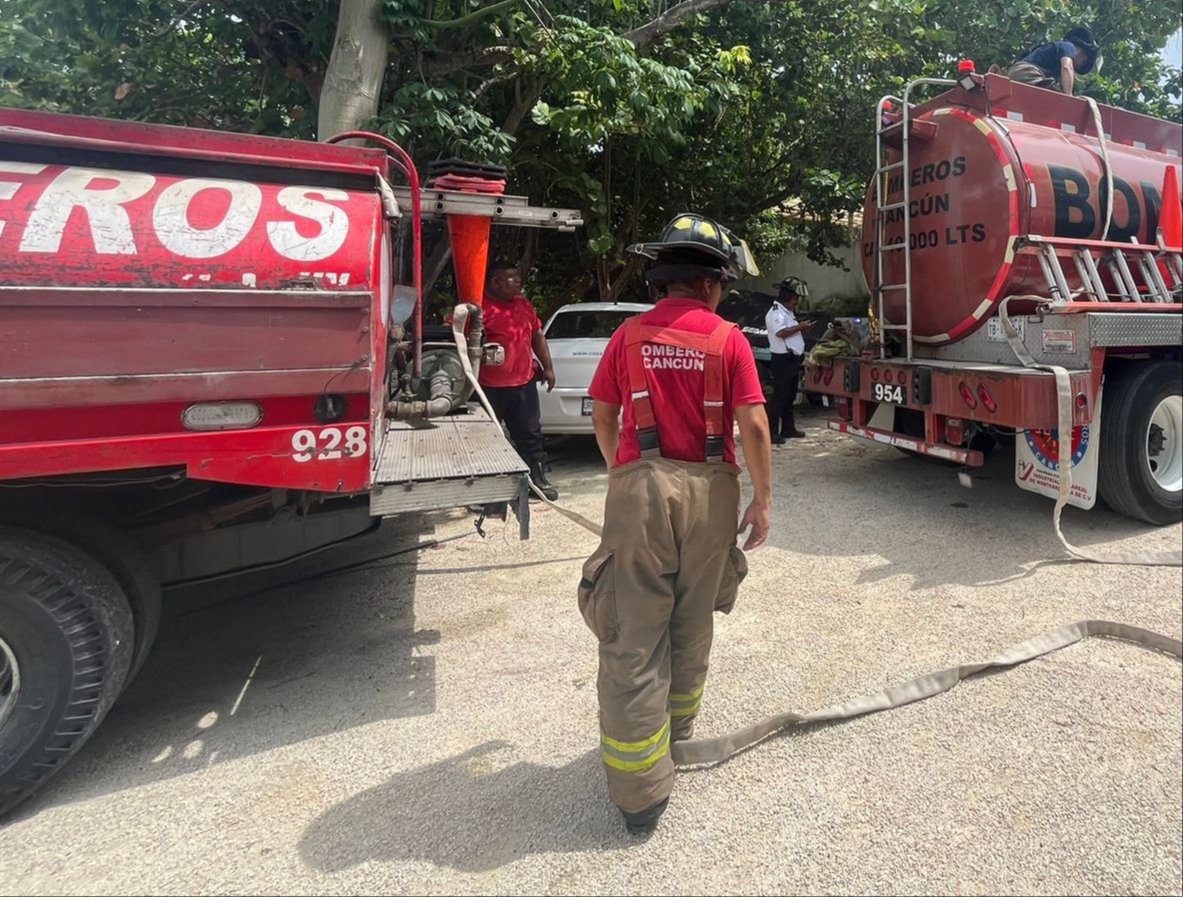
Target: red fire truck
997, 197
209, 362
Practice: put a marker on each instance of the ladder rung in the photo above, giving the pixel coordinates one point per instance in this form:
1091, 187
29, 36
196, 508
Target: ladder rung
894, 326
892, 167
893, 286
888, 247
892, 205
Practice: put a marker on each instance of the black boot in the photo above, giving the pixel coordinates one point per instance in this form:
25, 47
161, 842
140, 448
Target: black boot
644, 822
538, 475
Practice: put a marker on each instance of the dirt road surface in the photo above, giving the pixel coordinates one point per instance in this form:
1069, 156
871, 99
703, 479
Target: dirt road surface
426, 722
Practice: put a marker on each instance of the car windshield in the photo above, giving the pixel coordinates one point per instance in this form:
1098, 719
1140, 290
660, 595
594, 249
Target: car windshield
747, 312
586, 324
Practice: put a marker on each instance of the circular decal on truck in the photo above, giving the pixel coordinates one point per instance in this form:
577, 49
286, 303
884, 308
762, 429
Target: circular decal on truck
1045, 446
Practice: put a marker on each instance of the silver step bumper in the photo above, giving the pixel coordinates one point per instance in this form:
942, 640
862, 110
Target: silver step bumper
449, 462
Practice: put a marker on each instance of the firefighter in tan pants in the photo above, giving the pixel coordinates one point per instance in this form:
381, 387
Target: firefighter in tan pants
668, 558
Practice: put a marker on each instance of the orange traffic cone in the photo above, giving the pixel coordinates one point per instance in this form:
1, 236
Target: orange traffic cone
470, 255
1171, 219
1170, 222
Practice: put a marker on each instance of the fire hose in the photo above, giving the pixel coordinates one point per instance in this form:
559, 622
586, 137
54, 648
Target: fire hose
710, 751
459, 317
1064, 467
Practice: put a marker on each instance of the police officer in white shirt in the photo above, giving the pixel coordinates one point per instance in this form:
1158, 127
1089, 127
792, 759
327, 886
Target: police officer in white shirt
788, 349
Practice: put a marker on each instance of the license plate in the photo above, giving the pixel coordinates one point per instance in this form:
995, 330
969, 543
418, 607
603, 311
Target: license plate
586, 410
888, 392
995, 332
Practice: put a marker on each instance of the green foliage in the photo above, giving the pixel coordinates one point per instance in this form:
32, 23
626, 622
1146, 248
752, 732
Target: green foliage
759, 113
168, 62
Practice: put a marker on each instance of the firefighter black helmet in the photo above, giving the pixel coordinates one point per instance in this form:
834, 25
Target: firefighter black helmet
793, 286
689, 232
1084, 39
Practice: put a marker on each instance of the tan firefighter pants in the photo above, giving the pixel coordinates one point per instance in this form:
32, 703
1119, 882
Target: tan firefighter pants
666, 562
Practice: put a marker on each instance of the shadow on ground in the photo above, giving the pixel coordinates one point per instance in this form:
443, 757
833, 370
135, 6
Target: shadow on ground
250, 664
441, 813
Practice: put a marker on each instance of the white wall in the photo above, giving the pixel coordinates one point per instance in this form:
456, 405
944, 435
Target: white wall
824, 281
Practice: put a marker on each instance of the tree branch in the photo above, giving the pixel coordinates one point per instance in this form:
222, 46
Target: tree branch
772, 200
443, 64
491, 9
433, 268
671, 19
522, 108
176, 21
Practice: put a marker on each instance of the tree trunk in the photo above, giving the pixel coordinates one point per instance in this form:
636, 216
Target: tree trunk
353, 81
433, 268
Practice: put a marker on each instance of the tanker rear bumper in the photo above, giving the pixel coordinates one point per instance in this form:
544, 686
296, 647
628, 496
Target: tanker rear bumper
955, 454
995, 395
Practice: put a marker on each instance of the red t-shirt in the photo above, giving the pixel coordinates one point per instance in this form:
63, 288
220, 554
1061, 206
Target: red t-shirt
677, 393
513, 324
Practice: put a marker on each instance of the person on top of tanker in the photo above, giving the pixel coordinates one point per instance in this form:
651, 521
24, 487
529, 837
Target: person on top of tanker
1056, 64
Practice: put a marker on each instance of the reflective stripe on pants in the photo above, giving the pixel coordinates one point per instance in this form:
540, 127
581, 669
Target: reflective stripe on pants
648, 593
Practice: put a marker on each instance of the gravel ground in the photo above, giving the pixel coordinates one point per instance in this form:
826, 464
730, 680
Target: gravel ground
428, 724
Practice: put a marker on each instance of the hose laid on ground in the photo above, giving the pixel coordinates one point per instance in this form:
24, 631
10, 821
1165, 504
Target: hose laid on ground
716, 750
706, 751
1064, 467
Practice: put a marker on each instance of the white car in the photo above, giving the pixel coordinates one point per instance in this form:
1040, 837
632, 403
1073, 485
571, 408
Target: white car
577, 335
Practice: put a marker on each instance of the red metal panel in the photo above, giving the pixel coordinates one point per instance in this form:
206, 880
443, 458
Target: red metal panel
51, 393
1023, 400
64, 225
41, 424
54, 129
126, 295
317, 458
127, 333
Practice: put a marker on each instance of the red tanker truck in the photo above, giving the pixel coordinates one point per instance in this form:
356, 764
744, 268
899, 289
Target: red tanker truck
999, 203
212, 359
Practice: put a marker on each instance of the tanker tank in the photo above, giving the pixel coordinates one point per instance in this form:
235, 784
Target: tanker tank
990, 166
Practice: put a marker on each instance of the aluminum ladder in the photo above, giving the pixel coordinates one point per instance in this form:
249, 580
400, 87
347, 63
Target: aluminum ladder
883, 210
1133, 268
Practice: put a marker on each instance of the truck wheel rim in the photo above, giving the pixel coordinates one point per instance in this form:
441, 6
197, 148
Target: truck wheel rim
10, 682
1164, 444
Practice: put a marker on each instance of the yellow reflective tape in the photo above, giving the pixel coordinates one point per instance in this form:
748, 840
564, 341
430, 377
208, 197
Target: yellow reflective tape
689, 710
637, 765
706, 229
683, 223
636, 747
693, 696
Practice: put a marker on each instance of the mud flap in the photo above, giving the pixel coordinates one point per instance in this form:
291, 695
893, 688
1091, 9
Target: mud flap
1037, 465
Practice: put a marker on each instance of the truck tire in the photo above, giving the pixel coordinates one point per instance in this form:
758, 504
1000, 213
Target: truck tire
1141, 442
66, 642
119, 552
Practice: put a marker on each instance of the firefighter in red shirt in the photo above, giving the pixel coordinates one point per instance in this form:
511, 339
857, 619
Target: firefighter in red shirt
668, 557
510, 319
